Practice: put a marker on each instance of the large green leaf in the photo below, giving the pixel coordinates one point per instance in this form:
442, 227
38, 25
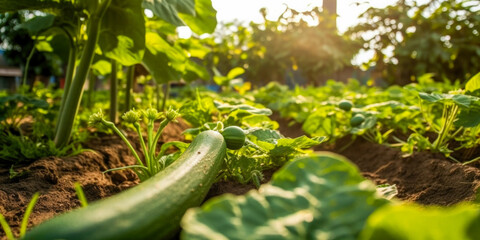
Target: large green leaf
423, 223
195, 71
322, 196
250, 109
165, 62
473, 84
123, 32
16, 5
205, 18
459, 99
38, 24
168, 10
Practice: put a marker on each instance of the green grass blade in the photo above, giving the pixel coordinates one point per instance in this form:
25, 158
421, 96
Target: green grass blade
80, 194
6, 228
23, 227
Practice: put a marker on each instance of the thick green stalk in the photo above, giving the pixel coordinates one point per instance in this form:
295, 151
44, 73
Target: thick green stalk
113, 92
128, 93
72, 55
92, 81
67, 116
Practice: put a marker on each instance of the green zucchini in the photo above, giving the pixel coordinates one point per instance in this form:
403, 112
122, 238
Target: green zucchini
234, 137
151, 210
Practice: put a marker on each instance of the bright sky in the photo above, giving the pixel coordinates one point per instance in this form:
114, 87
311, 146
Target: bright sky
248, 10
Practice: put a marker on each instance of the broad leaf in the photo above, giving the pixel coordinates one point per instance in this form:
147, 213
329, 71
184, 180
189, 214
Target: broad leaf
123, 32
163, 61
38, 24
245, 107
468, 118
205, 18
195, 71
235, 72
473, 84
102, 67
317, 197
265, 135
423, 222
168, 10
16, 5
289, 146
459, 99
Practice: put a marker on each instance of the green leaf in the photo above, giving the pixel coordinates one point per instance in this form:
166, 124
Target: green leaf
38, 24
168, 10
165, 62
321, 196
16, 5
265, 134
204, 20
468, 118
288, 146
252, 110
235, 72
122, 34
423, 222
102, 67
473, 84
459, 99
195, 71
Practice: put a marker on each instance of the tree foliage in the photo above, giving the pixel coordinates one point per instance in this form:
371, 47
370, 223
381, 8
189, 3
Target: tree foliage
307, 41
440, 37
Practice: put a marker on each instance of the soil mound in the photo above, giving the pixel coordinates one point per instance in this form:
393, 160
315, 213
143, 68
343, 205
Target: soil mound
54, 178
424, 177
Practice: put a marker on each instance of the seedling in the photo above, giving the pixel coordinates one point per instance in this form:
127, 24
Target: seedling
153, 162
23, 226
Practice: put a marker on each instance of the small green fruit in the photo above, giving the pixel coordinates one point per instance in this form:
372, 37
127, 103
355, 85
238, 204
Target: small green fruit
357, 120
234, 137
345, 105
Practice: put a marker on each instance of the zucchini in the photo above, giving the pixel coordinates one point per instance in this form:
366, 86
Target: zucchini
234, 137
151, 210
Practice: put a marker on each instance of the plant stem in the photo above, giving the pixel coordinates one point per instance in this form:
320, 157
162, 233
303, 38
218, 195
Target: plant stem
165, 96
471, 161
112, 126
27, 65
72, 56
128, 92
449, 114
162, 126
142, 142
113, 92
92, 81
67, 116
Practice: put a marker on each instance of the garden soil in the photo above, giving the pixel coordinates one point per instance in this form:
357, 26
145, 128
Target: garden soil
54, 178
424, 178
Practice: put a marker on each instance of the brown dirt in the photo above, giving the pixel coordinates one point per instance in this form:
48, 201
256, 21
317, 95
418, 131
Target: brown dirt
424, 177
53, 178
